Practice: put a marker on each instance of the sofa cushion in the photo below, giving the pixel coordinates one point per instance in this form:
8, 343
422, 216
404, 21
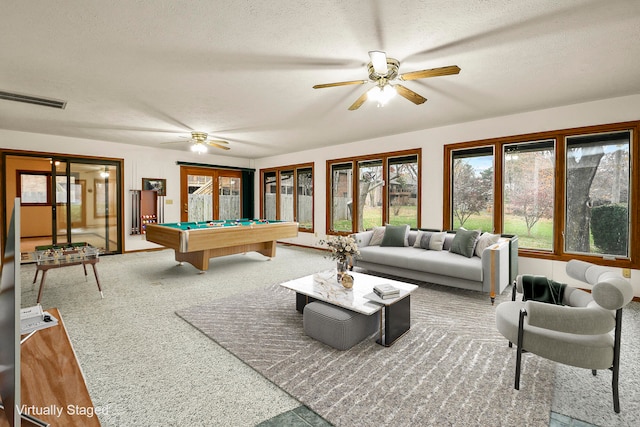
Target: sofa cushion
444, 263
464, 242
378, 235
396, 256
395, 235
484, 241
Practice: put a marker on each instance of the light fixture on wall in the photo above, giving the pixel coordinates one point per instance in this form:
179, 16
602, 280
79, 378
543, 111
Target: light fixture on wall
104, 173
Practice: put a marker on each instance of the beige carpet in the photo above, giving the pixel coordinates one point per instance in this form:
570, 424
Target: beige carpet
452, 368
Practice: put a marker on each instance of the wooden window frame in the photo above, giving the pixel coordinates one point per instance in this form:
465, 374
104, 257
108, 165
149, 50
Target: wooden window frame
385, 194
560, 137
289, 168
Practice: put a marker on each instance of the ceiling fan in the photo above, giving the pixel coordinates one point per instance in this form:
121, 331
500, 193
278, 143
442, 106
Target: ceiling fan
200, 142
383, 72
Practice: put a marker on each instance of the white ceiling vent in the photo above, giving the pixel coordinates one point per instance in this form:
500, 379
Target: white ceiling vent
35, 100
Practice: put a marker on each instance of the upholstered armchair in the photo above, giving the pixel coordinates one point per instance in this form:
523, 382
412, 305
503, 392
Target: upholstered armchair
572, 327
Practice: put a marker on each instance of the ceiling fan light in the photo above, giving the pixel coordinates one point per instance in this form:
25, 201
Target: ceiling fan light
379, 62
198, 148
381, 95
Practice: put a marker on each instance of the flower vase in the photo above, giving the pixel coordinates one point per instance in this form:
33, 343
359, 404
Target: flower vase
341, 266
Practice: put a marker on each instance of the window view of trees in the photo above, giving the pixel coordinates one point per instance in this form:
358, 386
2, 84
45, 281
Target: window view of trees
472, 189
597, 194
403, 191
528, 183
341, 197
577, 208
387, 192
370, 187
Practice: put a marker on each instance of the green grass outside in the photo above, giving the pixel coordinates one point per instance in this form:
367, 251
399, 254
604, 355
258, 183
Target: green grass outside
372, 218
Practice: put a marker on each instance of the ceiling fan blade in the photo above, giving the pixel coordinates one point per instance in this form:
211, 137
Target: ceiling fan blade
218, 141
433, 72
218, 145
359, 101
353, 82
410, 95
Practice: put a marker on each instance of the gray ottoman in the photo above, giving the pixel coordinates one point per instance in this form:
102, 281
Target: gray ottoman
338, 327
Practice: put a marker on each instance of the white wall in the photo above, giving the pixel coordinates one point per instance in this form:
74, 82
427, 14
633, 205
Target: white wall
142, 162
432, 142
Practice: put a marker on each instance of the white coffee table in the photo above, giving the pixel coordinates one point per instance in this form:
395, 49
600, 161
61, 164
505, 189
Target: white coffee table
324, 287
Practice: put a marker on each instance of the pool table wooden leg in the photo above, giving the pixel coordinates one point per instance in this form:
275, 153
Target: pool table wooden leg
199, 259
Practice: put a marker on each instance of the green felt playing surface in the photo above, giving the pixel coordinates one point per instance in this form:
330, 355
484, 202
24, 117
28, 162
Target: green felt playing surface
194, 225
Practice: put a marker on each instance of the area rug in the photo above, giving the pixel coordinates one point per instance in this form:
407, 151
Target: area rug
452, 367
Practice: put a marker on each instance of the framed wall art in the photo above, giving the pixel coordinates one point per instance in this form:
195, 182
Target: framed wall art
158, 184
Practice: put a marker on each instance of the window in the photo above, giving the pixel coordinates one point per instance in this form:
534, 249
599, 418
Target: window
528, 192
34, 188
370, 183
567, 194
305, 198
341, 197
472, 189
386, 191
403, 190
597, 194
287, 194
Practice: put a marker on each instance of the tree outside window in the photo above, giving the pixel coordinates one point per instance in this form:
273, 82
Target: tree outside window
472, 189
528, 182
597, 194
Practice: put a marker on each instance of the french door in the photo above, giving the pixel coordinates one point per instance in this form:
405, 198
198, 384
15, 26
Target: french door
210, 194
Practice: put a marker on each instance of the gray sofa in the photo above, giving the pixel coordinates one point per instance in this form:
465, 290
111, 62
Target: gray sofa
490, 273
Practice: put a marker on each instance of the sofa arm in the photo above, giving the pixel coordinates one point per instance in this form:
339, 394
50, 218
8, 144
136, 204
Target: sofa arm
363, 238
495, 269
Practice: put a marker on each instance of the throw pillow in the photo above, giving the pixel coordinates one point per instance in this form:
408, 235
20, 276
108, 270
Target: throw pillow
437, 241
378, 234
464, 242
419, 234
448, 239
396, 235
425, 239
486, 240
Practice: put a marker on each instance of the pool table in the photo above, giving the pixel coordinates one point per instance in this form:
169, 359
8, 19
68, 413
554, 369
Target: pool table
196, 242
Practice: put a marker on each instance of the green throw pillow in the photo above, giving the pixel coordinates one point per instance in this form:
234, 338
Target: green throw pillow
464, 242
395, 235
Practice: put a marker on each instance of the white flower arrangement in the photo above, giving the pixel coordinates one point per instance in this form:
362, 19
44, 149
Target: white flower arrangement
341, 247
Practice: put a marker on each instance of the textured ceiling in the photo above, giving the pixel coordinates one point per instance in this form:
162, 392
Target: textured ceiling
149, 72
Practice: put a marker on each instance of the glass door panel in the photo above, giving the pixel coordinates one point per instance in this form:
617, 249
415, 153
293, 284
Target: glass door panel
98, 213
229, 206
270, 192
286, 196
200, 197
